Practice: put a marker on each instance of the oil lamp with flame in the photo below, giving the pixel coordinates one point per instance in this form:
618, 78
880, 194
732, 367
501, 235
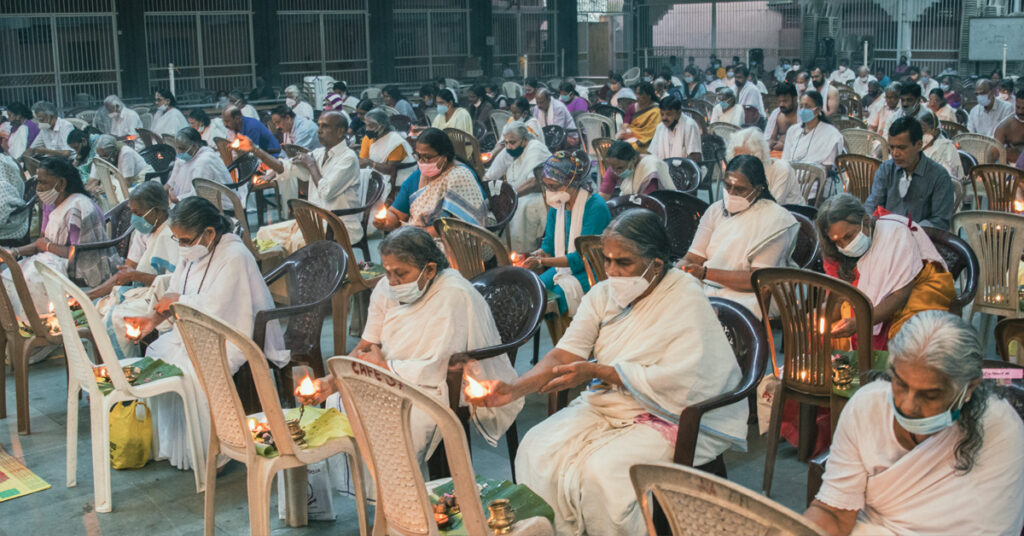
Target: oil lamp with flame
381, 214
132, 331
1018, 206
516, 258
475, 389
305, 389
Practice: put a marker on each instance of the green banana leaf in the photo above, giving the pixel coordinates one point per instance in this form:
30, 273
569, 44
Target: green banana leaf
152, 370
321, 425
525, 503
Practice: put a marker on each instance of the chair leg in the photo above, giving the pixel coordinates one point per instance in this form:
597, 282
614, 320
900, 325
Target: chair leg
19, 357
257, 484
807, 433
72, 436
512, 438
210, 495
339, 314
99, 424
356, 464
774, 428
536, 348
5, 348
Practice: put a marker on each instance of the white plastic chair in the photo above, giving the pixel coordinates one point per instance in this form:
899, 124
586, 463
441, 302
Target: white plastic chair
78, 123
512, 90
593, 126
696, 502
372, 93
997, 238
812, 179
981, 148
206, 339
384, 403
82, 378
865, 142
723, 130
115, 187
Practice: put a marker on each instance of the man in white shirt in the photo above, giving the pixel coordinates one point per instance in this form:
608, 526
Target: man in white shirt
677, 135
296, 130
986, 116
926, 82
749, 94
843, 74
780, 70
123, 120
552, 111
53, 132
864, 78
293, 98
236, 99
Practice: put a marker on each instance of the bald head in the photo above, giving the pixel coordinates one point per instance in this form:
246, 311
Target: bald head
543, 97
331, 128
232, 117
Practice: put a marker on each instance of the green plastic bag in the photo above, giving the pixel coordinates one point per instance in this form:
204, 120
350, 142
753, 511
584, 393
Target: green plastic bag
131, 435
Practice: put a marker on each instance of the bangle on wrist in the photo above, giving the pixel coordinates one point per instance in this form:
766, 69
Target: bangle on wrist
704, 274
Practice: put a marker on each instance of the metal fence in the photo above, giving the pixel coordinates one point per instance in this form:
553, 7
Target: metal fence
325, 42
431, 39
605, 37
526, 29
63, 51
210, 50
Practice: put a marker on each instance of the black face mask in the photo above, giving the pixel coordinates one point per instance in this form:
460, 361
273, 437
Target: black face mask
372, 134
672, 126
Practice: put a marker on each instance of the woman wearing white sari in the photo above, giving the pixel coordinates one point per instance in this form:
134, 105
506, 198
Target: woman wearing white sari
744, 231
132, 291
195, 160
782, 181
932, 450
940, 148
812, 140
525, 154
12, 190
218, 276
421, 313
648, 365
70, 217
450, 114
131, 165
633, 173
168, 119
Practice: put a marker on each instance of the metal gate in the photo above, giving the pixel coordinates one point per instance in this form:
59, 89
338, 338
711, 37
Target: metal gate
431, 39
332, 42
604, 37
210, 43
529, 29
63, 51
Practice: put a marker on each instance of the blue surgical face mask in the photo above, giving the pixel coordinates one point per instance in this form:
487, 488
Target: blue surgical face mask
565, 98
442, 109
805, 115
626, 174
185, 157
929, 425
141, 225
688, 79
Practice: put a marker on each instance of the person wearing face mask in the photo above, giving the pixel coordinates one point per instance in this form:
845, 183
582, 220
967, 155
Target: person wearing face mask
693, 87
480, 105
781, 118
843, 74
523, 155
813, 139
781, 69
522, 111
880, 111
911, 184
123, 120
441, 186
990, 111
552, 111
889, 258
574, 211
218, 275
168, 119
937, 103
924, 450
677, 135
727, 111
131, 165
530, 86
572, 99
84, 146
1010, 133
746, 230
618, 90
385, 151
294, 100
208, 128
237, 99
450, 114
194, 161
295, 129
12, 189
23, 130
711, 81
910, 103
782, 181
1006, 88
863, 81
69, 217
927, 82
332, 173
829, 93
421, 313
748, 93
643, 118
940, 149
633, 173
648, 343
494, 91
801, 82
52, 139
153, 253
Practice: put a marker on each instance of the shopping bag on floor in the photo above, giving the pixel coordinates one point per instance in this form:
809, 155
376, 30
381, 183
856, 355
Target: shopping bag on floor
131, 435
765, 395
318, 493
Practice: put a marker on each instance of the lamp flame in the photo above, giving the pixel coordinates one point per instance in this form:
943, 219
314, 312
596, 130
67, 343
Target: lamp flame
236, 144
382, 214
252, 425
485, 157
51, 307
132, 331
475, 389
515, 257
821, 326
306, 387
1018, 206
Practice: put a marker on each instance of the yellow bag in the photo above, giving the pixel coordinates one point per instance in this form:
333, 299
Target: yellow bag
131, 435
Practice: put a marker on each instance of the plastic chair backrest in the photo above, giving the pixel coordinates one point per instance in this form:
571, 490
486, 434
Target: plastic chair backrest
600, 147
31, 165
704, 107
215, 193
843, 122
1002, 186
685, 174
8, 317
593, 126
468, 247
591, 251
960, 259
696, 502
499, 118
292, 150
512, 90
723, 130
698, 117
554, 137
997, 238
464, 142
517, 299
807, 250
985, 149
502, 206
809, 304
246, 165
860, 170
114, 185
1009, 330
952, 128
401, 123
316, 223
967, 162
379, 405
751, 116
149, 137
683, 213
622, 203
807, 211
864, 142
160, 156
812, 180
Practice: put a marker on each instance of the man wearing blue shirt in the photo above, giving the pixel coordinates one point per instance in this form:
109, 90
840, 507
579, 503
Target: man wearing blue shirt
256, 131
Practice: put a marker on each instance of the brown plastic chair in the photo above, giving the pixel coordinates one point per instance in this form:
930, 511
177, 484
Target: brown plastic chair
206, 340
952, 129
600, 147
1002, 185
812, 180
379, 405
1009, 330
148, 137
470, 248
960, 260
997, 238
683, 215
985, 149
374, 191
698, 117
860, 171
31, 165
467, 147
315, 224
843, 122
809, 304
590, 250
622, 203
215, 193
700, 503
865, 142
503, 206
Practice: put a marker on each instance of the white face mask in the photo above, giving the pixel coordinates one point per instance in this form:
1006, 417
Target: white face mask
44, 126
557, 199
48, 197
290, 102
114, 115
930, 425
407, 293
193, 253
626, 289
983, 100
734, 204
162, 108
858, 246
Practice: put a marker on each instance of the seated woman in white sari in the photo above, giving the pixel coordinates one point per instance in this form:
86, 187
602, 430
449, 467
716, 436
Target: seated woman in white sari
648, 365
195, 161
744, 231
932, 450
207, 127
525, 153
500, 159
153, 252
442, 186
782, 181
421, 313
70, 217
633, 173
218, 276
12, 190
812, 139
385, 151
940, 148
168, 119
131, 165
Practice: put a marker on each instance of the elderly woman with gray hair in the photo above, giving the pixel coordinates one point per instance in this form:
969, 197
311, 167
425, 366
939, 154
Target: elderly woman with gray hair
657, 348
782, 181
121, 120
727, 111
195, 161
294, 99
131, 165
520, 164
931, 450
385, 151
